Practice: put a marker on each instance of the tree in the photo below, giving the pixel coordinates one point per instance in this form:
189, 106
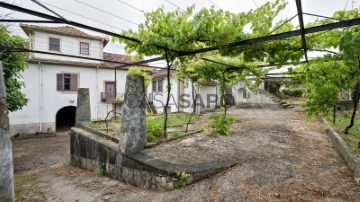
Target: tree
227, 71
13, 65
325, 76
169, 34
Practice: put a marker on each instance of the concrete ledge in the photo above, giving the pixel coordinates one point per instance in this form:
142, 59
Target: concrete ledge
350, 158
94, 152
147, 146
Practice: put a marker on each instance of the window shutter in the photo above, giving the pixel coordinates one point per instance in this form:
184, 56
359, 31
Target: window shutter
74, 82
60, 82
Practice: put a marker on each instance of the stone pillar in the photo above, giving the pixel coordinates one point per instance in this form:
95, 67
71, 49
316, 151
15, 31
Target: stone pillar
83, 112
6, 159
133, 126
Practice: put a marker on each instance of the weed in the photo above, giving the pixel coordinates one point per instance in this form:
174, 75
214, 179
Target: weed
220, 124
177, 133
19, 181
182, 178
92, 124
100, 171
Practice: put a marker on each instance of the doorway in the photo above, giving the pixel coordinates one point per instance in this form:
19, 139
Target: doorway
65, 118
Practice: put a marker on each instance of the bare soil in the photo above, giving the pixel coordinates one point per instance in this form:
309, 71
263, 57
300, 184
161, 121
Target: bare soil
283, 157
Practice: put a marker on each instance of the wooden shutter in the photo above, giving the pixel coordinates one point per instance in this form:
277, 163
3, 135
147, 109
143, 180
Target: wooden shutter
60, 82
74, 82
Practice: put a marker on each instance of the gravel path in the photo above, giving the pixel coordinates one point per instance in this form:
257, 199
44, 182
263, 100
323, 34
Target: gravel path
282, 157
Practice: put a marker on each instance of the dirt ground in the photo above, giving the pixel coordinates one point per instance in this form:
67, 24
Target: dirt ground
282, 157
38, 152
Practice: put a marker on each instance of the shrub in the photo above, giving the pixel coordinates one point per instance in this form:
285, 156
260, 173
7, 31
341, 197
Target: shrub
220, 123
293, 92
154, 131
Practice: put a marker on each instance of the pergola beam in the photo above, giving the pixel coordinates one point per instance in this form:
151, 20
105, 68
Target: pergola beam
60, 20
302, 28
27, 21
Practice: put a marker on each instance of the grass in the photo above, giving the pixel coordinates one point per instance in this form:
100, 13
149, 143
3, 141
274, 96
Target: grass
19, 181
176, 119
155, 125
353, 138
176, 133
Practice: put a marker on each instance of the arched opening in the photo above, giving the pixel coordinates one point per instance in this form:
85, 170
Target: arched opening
65, 118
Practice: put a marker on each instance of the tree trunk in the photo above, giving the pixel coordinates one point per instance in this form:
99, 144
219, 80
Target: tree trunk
168, 93
194, 109
223, 92
355, 102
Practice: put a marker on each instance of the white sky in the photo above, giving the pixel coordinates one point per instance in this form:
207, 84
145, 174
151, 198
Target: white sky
117, 8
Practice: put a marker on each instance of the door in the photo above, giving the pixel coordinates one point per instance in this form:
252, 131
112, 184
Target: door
109, 91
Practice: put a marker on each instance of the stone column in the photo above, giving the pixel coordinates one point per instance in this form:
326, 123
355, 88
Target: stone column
133, 126
6, 159
83, 112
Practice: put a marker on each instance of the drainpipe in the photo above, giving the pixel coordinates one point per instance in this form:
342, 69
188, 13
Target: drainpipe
40, 97
97, 91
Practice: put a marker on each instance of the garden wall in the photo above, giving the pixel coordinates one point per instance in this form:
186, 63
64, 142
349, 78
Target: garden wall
97, 153
352, 161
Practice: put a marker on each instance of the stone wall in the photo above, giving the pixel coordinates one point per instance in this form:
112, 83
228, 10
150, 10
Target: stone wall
97, 153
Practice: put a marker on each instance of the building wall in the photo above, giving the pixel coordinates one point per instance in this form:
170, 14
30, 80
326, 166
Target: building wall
45, 101
159, 98
251, 98
68, 45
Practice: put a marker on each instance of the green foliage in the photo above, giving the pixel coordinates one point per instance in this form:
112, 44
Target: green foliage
154, 124
118, 98
13, 65
182, 178
136, 71
154, 131
100, 171
117, 132
93, 124
324, 77
293, 92
175, 119
176, 133
353, 138
322, 81
220, 124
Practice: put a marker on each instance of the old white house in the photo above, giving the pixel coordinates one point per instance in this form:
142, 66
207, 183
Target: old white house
51, 81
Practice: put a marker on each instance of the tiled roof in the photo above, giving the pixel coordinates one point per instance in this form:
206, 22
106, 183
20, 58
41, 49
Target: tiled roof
117, 58
68, 30
106, 56
162, 73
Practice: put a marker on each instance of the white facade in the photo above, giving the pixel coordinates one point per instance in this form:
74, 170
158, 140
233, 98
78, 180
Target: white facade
158, 98
181, 99
69, 45
45, 101
41, 82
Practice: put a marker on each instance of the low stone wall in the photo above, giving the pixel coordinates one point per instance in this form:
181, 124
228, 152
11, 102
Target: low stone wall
96, 153
352, 161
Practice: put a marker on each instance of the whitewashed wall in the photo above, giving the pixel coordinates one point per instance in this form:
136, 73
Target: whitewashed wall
257, 98
45, 101
159, 99
68, 45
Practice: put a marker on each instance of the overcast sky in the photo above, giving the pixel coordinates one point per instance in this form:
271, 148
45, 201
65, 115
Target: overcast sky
126, 14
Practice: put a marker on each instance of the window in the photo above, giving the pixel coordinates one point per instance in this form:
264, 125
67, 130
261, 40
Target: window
160, 86
67, 82
54, 44
84, 48
154, 86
